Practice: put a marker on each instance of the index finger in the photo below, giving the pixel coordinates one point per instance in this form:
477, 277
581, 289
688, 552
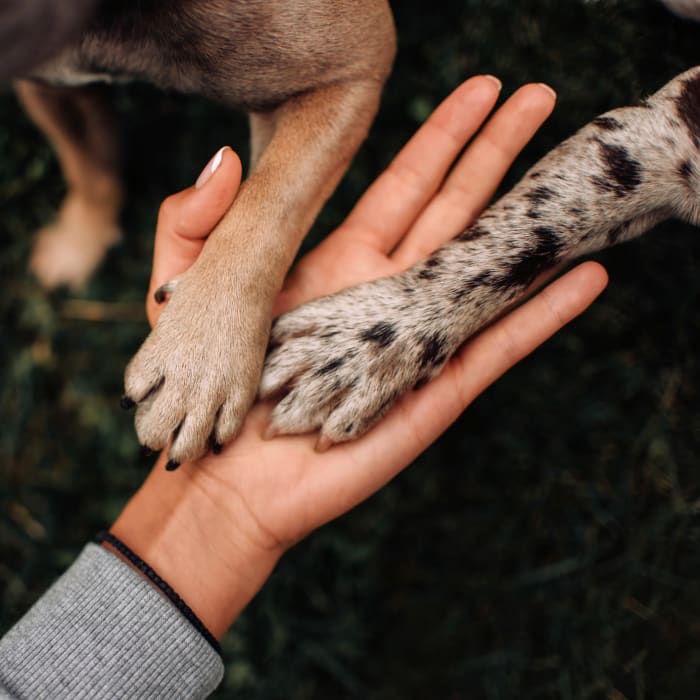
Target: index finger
400, 193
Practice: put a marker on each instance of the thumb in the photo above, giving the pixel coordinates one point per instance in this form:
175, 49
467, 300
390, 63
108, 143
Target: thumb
186, 219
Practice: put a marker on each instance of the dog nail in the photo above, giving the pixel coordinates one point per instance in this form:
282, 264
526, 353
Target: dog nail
270, 432
146, 451
323, 443
216, 447
172, 465
126, 402
210, 168
160, 295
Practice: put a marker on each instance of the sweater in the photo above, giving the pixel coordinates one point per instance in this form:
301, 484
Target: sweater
103, 631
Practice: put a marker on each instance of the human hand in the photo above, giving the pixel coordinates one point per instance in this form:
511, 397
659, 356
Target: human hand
217, 527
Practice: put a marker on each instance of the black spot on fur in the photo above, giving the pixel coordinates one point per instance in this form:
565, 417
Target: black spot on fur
540, 194
607, 123
382, 334
622, 174
688, 106
472, 233
330, 366
535, 175
433, 262
433, 353
427, 274
533, 214
532, 262
471, 284
617, 232
686, 170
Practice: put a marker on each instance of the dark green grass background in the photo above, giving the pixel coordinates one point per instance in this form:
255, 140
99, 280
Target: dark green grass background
546, 547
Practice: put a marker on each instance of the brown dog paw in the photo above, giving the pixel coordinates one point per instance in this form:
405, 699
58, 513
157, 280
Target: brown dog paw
195, 377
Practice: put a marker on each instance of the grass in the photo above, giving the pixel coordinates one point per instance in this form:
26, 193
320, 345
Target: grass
546, 547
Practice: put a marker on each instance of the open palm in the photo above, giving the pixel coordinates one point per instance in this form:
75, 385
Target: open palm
268, 494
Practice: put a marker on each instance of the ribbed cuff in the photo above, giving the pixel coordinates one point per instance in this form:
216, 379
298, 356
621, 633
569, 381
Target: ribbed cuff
102, 631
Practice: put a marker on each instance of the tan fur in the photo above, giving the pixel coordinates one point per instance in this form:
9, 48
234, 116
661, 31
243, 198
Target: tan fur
310, 74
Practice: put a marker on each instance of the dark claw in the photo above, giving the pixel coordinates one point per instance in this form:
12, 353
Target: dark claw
126, 402
161, 294
172, 465
146, 451
216, 447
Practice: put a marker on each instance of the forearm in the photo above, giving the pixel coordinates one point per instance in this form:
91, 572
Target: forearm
203, 550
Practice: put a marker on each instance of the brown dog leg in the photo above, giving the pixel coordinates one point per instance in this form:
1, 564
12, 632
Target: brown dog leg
197, 373
80, 128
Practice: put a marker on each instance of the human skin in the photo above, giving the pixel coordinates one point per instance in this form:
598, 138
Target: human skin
216, 528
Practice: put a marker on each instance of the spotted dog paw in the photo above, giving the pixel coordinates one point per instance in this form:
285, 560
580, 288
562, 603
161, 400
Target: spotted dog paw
344, 360
196, 375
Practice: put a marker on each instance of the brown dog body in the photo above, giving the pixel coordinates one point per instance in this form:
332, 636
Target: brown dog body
310, 74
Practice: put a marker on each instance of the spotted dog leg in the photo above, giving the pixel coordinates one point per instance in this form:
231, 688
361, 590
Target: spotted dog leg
343, 360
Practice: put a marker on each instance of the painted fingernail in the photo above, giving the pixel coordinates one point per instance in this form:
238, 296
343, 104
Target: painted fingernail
210, 168
493, 78
172, 465
549, 89
126, 402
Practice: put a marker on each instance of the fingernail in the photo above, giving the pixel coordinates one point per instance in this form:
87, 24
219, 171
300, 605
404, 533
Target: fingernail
210, 168
172, 465
126, 402
549, 89
493, 78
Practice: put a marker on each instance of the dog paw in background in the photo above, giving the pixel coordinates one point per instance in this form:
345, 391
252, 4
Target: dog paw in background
81, 126
68, 250
344, 360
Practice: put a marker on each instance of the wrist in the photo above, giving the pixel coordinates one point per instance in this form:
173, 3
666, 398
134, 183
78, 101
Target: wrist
205, 550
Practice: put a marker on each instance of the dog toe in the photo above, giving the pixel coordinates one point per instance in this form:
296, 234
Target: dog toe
157, 419
285, 364
191, 439
228, 424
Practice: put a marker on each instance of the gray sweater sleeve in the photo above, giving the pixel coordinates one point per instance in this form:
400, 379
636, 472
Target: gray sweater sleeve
102, 631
